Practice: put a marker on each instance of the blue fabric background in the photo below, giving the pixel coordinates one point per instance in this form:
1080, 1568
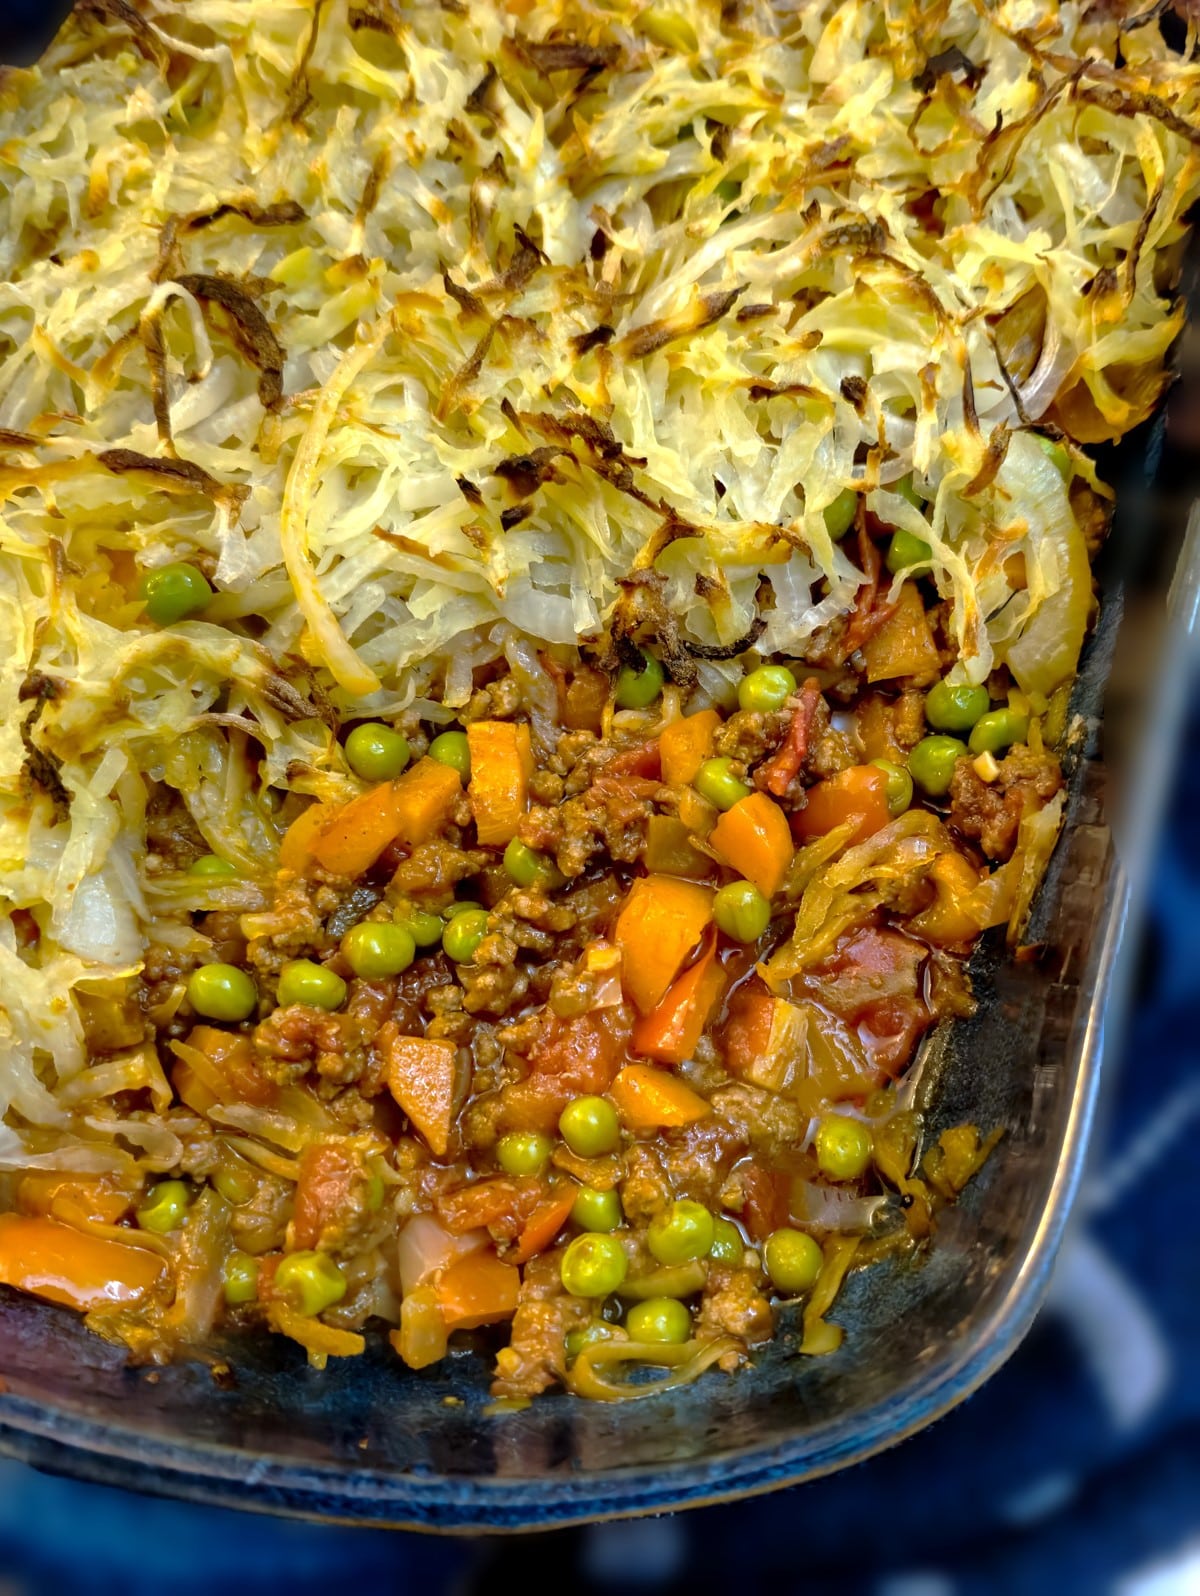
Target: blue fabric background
1077, 1469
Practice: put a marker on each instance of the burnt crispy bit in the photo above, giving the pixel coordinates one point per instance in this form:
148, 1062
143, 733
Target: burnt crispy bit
703, 312
854, 392
299, 93
527, 257
254, 334
569, 55
119, 11
463, 298
947, 63
40, 766
588, 341
525, 473
284, 213
178, 474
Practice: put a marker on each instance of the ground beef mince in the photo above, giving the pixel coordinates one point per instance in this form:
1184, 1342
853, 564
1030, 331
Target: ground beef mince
494, 1054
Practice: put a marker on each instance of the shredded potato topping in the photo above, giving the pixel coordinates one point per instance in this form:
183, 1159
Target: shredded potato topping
426, 329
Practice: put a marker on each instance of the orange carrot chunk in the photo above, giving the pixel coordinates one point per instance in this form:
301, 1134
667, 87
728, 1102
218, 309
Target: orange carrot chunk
420, 1076
300, 838
544, 1224
753, 839
409, 810
501, 765
662, 921
650, 1099
671, 1033
477, 1290
858, 794
685, 744
65, 1265
903, 645
43, 1190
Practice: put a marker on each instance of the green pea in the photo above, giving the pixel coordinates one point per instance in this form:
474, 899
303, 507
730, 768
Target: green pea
844, 1147
839, 516
460, 906
165, 1207
173, 592
955, 706
377, 948
235, 1181
587, 1336
376, 752
906, 551
463, 935
529, 868
998, 729
590, 1127
311, 1280
302, 981
597, 1210
899, 785
210, 865
1058, 453
741, 911
727, 1246
766, 689
637, 689
906, 488
222, 992
659, 1319
523, 1152
716, 781
424, 928
240, 1278
793, 1260
452, 748
593, 1266
681, 1232
931, 763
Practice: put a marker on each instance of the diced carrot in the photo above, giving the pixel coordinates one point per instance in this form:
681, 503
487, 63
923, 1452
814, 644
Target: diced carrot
875, 729
746, 1032
585, 698
501, 765
670, 1034
420, 1076
224, 1063
66, 1265
765, 1200
753, 839
685, 744
859, 794
903, 645
662, 921
410, 810
650, 1099
544, 1224
43, 1191
324, 1192
644, 761
296, 848
478, 1290
501, 1205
